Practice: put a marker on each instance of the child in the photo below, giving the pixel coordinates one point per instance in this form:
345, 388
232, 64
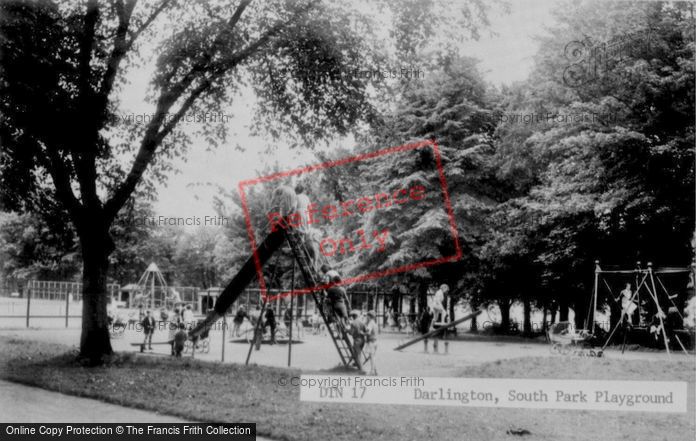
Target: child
438, 308
288, 319
316, 323
188, 316
180, 339
336, 297
328, 274
173, 326
270, 321
358, 330
238, 319
149, 326
627, 304
372, 332
426, 318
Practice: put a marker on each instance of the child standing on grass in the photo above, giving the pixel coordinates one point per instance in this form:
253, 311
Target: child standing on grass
372, 332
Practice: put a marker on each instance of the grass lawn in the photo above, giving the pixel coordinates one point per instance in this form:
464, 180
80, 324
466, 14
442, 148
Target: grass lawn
215, 392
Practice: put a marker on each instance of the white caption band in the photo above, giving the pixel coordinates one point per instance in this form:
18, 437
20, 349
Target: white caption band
640, 396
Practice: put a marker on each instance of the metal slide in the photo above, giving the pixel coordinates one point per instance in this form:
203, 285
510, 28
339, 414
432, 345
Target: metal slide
240, 281
341, 339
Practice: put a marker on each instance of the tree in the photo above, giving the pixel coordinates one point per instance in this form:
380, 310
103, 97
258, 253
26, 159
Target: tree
63, 69
453, 106
133, 233
195, 257
29, 247
46, 248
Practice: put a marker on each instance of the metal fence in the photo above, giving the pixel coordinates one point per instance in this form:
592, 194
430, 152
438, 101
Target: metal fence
45, 299
362, 299
54, 290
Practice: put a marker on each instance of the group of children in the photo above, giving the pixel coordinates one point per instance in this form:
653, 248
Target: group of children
177, 323
180, 320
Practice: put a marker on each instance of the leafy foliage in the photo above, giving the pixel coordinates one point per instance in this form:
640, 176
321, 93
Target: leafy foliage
611, 175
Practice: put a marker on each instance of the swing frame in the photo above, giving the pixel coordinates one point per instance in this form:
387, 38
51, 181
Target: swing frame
646, 280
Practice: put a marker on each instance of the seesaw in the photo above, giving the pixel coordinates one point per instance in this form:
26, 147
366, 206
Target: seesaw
154, 343
438, 330
143, 346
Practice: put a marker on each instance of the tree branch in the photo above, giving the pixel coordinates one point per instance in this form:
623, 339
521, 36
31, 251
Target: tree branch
199, 65
235, 18
87, 40
118, 52
94, 111
154, 137
143, 157
83, 152
61, 178
135, 35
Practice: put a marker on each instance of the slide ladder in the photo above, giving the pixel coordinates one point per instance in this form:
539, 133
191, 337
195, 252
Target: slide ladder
341, 340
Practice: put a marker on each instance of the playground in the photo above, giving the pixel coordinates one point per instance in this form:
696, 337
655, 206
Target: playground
317, 353
52, 312
385, 221
229, 372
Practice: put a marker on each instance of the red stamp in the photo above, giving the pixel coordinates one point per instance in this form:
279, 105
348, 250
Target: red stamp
337, 228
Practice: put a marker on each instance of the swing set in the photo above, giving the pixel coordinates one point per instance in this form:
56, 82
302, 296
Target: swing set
645, 303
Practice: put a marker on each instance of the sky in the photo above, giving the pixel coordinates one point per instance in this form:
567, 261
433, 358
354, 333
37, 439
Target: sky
505, 57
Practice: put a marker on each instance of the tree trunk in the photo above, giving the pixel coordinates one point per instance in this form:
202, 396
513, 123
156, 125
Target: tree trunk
527, 324
544, 319
563, 310
474, 326
581, 313
94, 340
553, 314
504, 306
423, 297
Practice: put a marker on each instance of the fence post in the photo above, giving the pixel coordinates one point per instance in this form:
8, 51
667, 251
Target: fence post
223, 336
67, 306
29, 298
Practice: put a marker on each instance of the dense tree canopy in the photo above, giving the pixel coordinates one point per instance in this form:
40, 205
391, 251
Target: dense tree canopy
610, 175
64, 73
